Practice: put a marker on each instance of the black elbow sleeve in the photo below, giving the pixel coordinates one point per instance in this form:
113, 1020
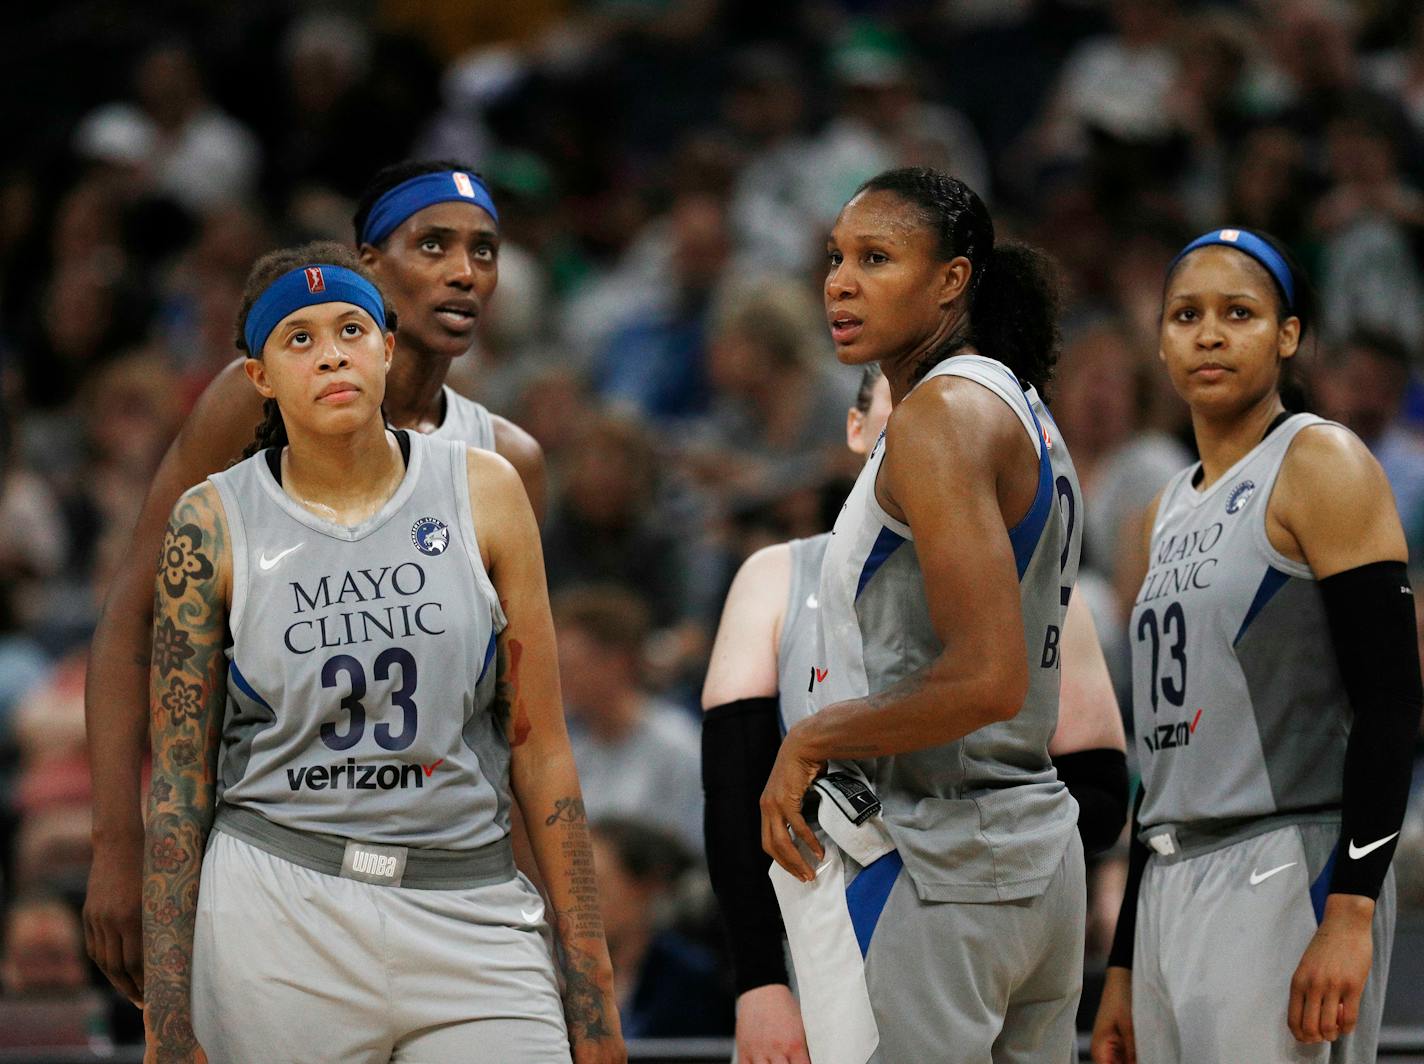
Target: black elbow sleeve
739, 745
1097, 780
1371, 614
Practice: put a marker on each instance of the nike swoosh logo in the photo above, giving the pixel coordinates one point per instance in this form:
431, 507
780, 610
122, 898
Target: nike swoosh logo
1356, 852
812, 602
532, 918
1261, 877
264, 563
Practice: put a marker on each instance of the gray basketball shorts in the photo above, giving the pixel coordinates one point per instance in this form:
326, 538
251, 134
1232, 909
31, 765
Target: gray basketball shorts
1219, 937
980, 983
293, 965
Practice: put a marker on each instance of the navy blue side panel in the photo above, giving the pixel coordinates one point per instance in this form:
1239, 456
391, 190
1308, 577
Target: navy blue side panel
867, 894
1320, 889
1272, 582
489, 656
246, 688
1025, 535
885, 545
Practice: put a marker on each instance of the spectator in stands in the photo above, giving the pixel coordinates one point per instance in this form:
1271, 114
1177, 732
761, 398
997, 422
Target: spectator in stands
636, 754
667, 985
43, 949
1363, 388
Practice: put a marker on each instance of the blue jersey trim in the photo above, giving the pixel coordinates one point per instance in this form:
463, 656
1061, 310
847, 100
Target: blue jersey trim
489, 656
1272, 582
885, 545
1025, 535
1320, 889
867, 894
245, 687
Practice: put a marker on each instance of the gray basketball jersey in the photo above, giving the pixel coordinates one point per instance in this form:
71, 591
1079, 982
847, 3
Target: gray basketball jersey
1239, 707
466, 421
796, 652
984, 818
361, 666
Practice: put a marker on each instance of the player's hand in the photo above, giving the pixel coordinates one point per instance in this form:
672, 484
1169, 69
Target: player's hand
791, 776
113, 926
769, 1029
1113, 1039
1325, 990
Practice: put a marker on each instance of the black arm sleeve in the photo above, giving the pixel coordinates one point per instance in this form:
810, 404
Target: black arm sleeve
739, 745
1371, 615
1120, 956
1097, 779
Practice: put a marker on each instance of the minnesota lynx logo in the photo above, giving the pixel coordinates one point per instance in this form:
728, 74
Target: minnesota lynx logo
430, 536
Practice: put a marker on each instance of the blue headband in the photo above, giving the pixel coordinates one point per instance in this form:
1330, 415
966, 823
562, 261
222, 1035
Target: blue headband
306, 287
399, 203
1248, 244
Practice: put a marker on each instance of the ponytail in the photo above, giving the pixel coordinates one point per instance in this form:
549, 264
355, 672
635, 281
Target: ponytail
1015, 314
1012, 299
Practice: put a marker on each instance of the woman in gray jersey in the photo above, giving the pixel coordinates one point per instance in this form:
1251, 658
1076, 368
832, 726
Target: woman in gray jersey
761, 664
1276, 693
429, 233
936, 682
353, 682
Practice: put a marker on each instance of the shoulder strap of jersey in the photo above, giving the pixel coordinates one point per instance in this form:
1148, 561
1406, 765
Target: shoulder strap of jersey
1000, 380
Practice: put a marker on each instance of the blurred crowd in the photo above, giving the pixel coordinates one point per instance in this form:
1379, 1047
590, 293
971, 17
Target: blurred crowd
666, 171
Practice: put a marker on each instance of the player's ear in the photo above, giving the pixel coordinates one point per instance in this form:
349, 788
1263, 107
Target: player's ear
855, 431
390, 349
256, 371
370, 256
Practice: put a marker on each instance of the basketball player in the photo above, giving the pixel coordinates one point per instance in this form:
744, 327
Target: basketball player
958, 872
765, 648
1276, 694
353, 679
429, 233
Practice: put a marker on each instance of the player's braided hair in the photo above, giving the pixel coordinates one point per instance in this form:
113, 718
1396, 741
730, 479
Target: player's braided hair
388, 177
1012, 298
271, 430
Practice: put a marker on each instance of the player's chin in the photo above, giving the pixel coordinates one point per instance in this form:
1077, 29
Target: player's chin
858, 352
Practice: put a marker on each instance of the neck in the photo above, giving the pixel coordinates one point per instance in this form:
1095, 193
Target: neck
317, 472
413, 388
1222, 442
901, 370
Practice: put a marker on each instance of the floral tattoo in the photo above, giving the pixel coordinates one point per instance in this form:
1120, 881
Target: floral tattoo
182, 560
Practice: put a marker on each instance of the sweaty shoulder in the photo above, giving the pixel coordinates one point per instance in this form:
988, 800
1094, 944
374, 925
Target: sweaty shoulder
525, 455
950, 407
1332, 505
743, 661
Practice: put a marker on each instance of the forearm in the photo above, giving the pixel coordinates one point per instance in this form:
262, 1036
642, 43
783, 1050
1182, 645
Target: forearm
547, 789
173, 859
116, 714
934, 705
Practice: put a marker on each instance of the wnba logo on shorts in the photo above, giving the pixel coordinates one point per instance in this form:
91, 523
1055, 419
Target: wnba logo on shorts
315, 281
463, 186
373, 864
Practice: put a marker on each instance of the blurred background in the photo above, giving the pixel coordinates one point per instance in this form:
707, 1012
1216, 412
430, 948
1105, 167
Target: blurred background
666, 172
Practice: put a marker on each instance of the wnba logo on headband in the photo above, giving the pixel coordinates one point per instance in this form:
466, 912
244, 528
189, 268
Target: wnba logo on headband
463, 185
315, 281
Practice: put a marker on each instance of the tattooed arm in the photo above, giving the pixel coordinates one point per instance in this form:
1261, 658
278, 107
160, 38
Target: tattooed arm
542, 774
186, 705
